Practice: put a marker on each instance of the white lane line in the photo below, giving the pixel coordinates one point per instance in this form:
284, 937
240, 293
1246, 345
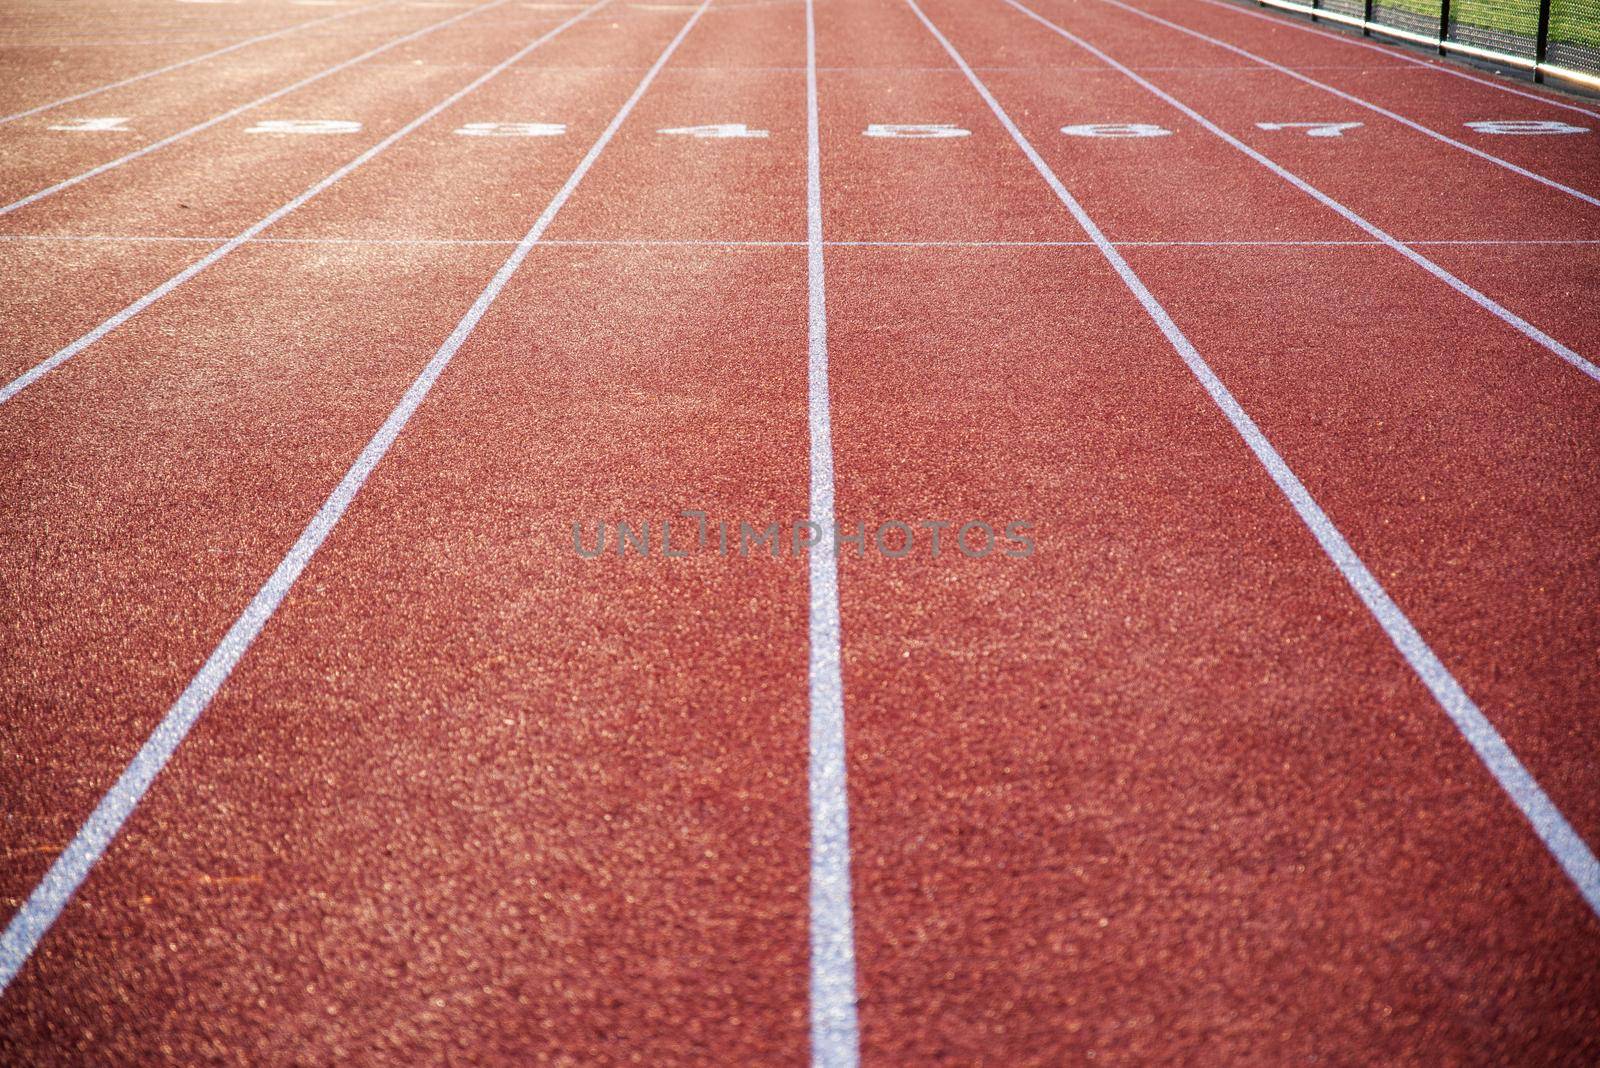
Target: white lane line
447, 241
1504, 314
645, 242
1205, 244
1396, 53
241, 109
189, 62
45, 366
835, 1035
44, 905
1359, 102
1558, 836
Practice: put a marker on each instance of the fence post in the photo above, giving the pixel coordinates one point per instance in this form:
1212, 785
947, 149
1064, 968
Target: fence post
1541, 41
1444, 25
1366, 19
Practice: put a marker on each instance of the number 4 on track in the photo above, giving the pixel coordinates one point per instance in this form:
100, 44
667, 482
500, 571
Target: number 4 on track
720, 129
1312, 129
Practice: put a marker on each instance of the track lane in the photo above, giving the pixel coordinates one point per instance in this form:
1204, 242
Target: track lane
861, 83
1451, 513
565, 771
254, 383
431, 186
733, 188
59, 69
1466, 197
1443, 106
272, 168
1463, 286
1168, 794
234, 886
1121, 820
32, 76
1464, 474
149, 16
52, 163
1500, 87
623, 798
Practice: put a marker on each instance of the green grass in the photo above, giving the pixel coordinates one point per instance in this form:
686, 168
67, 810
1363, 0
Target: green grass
1573, 21
1576, 21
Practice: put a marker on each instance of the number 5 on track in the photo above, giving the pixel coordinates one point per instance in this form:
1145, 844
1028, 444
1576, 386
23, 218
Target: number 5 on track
721, 129
512, 129
924, 129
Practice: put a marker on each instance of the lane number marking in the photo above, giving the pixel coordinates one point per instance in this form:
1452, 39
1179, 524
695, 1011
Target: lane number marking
1312, 129
1526, 126
513, 129
922, 129
721, 129
304, 126
92, 125
1115, 129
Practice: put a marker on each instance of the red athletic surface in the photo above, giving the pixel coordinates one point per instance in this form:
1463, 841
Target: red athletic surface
1162, 793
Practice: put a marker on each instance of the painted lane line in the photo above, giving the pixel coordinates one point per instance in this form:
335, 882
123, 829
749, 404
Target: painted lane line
189, 62
646, 242
1553, 829
246, 236
1504, 314
835, 1032
1396, 53
241, 109
1359, 102
72, 866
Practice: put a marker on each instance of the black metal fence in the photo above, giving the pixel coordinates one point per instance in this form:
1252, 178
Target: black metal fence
1556, 39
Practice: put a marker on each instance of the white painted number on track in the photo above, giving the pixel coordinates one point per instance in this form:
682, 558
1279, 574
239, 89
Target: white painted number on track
925, 129
1115, 129
722, 129
91, 125
304, 126
1526, 126
513, 129
1312, 129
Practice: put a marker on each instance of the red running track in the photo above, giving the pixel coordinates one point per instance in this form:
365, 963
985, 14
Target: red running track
1164, 790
